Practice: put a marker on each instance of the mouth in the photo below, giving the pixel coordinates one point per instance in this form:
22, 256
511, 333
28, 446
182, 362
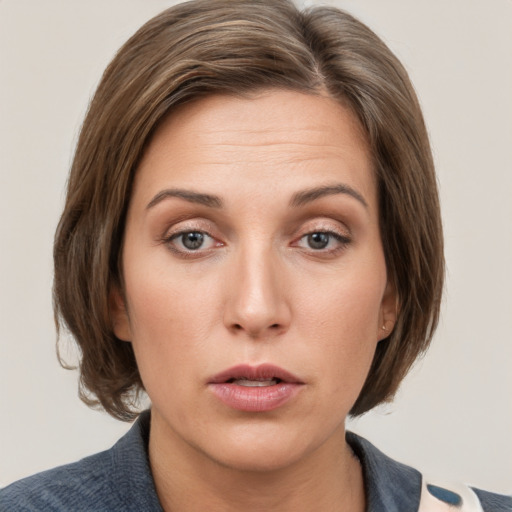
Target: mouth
257, 376
250, 383
255, 388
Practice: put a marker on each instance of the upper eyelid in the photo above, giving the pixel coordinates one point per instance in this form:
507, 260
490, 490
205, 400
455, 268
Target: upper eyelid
319, 228
184, 226
179, 232
324, 229
326, 219
207, 226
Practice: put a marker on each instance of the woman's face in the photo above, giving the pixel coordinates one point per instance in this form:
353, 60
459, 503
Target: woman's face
255, 279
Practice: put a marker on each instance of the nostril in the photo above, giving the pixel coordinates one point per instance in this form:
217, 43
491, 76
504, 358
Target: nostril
256, 330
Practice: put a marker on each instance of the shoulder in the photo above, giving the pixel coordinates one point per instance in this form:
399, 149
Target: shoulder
114, 480
391, 485
85, 484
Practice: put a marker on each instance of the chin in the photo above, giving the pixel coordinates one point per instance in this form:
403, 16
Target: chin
245, 460
260, 452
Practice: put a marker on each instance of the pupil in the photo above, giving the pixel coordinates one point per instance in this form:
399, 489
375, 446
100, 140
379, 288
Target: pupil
318, 240
192, 240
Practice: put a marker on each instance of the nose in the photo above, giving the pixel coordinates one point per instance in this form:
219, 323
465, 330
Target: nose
256, 300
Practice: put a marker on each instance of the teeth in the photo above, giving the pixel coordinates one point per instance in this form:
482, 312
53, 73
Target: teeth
255, 383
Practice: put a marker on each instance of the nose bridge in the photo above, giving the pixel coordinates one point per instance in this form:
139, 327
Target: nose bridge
256, 303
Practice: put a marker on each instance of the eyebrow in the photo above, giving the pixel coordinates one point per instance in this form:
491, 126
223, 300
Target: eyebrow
298, 199
306, 196
188, 195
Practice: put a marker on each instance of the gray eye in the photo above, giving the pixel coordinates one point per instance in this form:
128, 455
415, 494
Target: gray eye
192, 240
318, 240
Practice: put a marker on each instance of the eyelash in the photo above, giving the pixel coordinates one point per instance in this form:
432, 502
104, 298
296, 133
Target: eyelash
187, 253
343, 242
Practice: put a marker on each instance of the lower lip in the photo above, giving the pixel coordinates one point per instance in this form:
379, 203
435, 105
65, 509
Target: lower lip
255, 399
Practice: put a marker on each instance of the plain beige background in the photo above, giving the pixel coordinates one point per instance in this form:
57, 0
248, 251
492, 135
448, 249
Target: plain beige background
453, 416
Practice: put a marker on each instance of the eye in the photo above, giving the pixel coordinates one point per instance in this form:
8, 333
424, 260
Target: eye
318, 240
323, 241
190, 241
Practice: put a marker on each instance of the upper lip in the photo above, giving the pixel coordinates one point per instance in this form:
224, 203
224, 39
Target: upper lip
260, 372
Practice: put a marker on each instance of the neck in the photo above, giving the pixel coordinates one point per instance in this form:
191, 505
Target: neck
329, 479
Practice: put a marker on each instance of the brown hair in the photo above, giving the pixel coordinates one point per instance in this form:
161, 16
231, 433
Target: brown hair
223, 46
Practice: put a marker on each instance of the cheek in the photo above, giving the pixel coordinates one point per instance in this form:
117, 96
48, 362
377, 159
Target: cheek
341, 319
171, 318
348, 303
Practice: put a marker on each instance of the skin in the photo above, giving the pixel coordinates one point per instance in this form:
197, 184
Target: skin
255, 292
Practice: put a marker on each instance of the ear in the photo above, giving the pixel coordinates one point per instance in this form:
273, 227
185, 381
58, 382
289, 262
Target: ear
119, 315
388, 312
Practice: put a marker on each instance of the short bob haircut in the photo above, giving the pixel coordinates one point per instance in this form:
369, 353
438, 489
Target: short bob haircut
241, 47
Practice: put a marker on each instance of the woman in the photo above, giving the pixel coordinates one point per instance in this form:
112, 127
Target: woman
251, 236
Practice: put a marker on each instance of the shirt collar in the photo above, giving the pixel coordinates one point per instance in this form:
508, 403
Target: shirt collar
389, 485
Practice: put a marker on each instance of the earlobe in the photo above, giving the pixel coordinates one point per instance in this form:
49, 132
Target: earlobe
388, 312
119, 315
385, 330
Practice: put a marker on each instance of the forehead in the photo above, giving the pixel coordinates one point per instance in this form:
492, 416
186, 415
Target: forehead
275, 116
288, 137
